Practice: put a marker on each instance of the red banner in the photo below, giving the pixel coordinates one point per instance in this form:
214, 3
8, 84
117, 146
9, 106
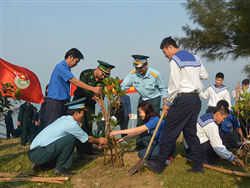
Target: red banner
129, 90
22, 78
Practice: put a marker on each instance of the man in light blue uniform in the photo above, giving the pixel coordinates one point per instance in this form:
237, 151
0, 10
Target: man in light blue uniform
149, 84
54, 145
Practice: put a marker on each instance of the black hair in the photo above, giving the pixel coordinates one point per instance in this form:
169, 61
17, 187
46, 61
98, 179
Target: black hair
222, 109
75, 53
46, 93
223, 103
72, 111
245, 82
168, 41
219, 75
148, 109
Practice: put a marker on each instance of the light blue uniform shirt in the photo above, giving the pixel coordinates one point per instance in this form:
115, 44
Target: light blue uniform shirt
59, 85
150, 86
63, 126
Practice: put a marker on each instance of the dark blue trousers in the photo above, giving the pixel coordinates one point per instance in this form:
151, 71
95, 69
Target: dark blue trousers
154, 150
124, 124
55, 109
182, 116
210, 109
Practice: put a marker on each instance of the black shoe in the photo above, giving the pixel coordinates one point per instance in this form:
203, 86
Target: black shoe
210, 162
153, 166
91, 153
80, 156
137, 148
196, 170
75, 160
63, 172
37, 168
71, 173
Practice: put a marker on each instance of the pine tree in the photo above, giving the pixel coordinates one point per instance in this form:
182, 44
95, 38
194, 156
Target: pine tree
222, 31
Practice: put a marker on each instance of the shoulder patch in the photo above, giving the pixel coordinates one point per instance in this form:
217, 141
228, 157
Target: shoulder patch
133, 71
87, 73
154, 74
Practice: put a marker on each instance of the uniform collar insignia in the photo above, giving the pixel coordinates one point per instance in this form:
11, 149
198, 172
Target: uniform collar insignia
217, 89
205, 119
184, 58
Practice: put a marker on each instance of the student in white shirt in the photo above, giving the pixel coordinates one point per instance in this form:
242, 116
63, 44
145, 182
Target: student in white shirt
216, 93
208, 133
244, 84
182, 105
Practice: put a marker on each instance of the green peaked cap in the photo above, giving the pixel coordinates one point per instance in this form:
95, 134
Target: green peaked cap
105, 67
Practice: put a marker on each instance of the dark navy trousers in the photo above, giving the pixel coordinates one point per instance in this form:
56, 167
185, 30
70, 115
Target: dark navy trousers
154, 150
182, 116
55, 109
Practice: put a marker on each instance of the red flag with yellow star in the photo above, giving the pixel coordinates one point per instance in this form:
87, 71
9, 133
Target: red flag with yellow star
22, 78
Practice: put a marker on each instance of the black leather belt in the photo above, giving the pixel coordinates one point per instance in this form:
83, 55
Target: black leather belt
26, 118
187, 94
36, 148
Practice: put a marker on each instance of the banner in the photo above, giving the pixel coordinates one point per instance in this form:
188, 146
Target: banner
129, 90
22, 78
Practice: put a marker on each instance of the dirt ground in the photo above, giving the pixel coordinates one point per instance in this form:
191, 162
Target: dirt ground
117, 177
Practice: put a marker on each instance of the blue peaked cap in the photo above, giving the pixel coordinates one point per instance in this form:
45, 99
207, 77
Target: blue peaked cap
79, 103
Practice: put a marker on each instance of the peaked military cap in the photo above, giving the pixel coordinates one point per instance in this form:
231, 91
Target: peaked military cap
139, 60
79, 103
105, 67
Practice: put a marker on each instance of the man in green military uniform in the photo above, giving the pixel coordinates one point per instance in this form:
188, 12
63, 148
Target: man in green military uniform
93, 78
9, 124
25, 116
36, 125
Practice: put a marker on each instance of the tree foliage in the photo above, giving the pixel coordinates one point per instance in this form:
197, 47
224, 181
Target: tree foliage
222, 30
8, 91
241, 108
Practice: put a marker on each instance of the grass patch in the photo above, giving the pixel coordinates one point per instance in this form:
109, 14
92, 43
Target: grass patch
90, 172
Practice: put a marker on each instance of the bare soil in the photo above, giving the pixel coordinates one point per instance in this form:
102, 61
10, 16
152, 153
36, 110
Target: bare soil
118, 177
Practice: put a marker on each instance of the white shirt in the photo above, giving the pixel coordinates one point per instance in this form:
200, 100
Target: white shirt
185, 79
235, 91
216, 94
207, 129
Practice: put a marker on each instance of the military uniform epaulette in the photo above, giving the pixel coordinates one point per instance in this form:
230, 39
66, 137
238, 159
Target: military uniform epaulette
133, 71
87, 73
154, 74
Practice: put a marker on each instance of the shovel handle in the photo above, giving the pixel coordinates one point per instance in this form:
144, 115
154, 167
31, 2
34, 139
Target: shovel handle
153, 137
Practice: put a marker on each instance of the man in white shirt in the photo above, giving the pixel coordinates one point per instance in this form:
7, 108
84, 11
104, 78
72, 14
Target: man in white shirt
244, 84
182, 105
216, 93
208, 133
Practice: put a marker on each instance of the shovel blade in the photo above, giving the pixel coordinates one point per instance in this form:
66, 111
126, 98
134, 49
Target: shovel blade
136, 167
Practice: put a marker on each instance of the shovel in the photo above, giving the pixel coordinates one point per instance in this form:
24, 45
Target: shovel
140, 162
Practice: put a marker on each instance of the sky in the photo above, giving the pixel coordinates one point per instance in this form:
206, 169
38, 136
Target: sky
37, 34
